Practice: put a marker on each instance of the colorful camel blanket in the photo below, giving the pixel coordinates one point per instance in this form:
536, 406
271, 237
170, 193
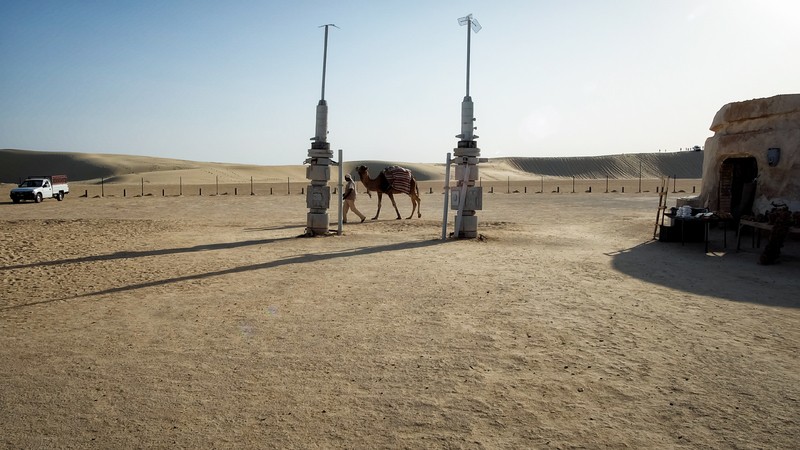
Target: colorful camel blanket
398, 178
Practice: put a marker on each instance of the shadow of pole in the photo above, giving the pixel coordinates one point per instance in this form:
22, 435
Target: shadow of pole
145, 253
304, 259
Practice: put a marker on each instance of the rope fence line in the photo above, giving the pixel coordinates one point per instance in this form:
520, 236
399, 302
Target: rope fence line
574, 185
542, 185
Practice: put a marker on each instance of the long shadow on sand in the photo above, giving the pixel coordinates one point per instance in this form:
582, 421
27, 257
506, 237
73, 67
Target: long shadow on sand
303, 259
141, 254
277, 228
722, 273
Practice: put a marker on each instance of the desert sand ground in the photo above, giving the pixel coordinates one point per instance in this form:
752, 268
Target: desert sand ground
206, 322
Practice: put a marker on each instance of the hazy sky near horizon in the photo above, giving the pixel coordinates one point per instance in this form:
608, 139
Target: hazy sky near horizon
239, 81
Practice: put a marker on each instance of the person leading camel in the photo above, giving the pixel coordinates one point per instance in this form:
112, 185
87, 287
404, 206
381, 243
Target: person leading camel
350, 198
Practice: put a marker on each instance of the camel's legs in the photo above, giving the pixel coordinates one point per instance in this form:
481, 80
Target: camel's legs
391, 197
380, 199
416, 205
413, 206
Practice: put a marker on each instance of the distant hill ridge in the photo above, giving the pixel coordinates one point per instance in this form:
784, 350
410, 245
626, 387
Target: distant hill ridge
17, 164
649, 165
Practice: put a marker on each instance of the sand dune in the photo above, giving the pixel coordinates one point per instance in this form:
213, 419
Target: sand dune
88, 167
15, 164
651, 165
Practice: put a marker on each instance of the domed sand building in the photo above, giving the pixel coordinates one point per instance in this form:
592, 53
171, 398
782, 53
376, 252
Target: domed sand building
753, 159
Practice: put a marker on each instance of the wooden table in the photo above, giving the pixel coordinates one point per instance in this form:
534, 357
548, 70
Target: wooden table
706, 221
757, 227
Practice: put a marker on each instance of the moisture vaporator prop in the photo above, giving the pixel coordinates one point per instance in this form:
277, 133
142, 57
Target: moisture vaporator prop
467, 198
318, 194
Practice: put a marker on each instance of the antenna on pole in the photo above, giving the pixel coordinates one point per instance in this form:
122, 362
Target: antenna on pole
473, 25
325, 57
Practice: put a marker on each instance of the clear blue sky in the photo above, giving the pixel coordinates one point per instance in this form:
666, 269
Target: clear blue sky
239, 81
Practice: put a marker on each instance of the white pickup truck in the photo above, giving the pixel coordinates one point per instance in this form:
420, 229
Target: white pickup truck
39, 188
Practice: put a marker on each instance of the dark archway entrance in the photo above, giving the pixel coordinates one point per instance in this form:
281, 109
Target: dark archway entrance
737, 186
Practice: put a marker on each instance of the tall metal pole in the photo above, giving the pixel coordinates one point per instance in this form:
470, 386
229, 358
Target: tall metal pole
469, 40
446, 196
324, 62
341, 195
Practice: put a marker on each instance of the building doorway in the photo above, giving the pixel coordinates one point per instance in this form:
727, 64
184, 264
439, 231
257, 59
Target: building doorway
737, 186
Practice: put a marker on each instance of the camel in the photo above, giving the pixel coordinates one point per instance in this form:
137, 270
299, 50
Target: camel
381, 185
